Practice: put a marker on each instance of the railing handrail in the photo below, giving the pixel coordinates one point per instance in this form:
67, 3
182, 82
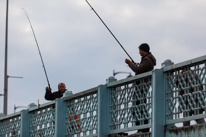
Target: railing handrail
80, 94
185, 63
126, 80
42, 105
10, 115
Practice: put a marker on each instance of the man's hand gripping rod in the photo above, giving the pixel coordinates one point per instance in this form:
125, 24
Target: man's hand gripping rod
109, 31
38, 48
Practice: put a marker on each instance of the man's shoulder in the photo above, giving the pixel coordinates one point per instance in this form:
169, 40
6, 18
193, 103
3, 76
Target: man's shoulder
146, 58
149, 57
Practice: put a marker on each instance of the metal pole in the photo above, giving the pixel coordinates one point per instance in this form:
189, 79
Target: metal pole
5, 70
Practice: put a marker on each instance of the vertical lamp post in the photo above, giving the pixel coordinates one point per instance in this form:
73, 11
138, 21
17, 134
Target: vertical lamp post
5, 69
5, 105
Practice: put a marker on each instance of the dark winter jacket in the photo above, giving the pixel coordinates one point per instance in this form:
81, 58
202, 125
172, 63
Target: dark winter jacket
52, 96
147, 64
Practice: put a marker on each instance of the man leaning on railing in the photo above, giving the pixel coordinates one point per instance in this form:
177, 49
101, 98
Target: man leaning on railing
57, 94
147, 63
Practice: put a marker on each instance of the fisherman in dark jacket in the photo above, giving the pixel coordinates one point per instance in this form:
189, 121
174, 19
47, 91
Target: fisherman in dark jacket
58, 94
147, 63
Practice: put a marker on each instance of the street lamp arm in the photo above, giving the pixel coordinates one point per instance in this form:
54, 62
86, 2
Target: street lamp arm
14, 77
15, 107
115, 73
20, 107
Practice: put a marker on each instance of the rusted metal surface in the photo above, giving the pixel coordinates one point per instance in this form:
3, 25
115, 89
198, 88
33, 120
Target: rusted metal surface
141, 135
198, 130
190, 131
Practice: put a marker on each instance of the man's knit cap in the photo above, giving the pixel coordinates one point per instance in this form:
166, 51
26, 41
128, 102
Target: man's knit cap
144, 47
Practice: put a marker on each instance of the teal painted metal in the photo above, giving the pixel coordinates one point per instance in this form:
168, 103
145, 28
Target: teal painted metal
123, 81
191, 62
163, 97
130, 104
103, 111
185, 92
10, 125
60, 111
158, 107
81, 114
2, 114
42, 120
25, 118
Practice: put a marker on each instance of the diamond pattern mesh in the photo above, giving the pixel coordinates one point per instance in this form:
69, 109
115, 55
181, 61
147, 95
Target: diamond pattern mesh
10, 127
131, 104
42, 122
81, 117
185, 91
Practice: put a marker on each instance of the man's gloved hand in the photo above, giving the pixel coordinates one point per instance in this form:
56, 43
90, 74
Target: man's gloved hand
48, 89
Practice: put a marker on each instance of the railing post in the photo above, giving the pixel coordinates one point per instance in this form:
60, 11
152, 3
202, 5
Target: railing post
25, 123
103, 118
158, 103
60, 114
103, 111
2, 114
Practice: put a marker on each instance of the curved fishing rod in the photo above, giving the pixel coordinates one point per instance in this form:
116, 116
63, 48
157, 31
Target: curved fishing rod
109, 30
38, 48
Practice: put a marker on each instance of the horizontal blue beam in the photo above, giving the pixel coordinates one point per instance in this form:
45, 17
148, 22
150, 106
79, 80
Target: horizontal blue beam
10, 115
130, 129
186, 63
179, 120
119, 82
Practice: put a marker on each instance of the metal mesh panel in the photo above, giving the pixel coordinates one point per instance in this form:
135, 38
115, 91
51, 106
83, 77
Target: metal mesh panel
130, 104
185, 91
10, 127
42, 122
81, 118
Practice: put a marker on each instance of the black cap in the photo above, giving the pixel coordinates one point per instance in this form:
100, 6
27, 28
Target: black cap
144, 47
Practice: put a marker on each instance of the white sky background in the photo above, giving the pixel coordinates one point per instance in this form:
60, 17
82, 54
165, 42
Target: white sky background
78, 50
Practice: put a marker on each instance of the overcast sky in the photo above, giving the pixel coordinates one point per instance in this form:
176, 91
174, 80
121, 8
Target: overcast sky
78, 50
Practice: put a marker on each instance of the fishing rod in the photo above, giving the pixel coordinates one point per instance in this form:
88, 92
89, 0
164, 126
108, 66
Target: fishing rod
109, 30
38, 48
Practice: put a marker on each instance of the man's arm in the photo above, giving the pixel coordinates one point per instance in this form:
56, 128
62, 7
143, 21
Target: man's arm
138, 69
49, 95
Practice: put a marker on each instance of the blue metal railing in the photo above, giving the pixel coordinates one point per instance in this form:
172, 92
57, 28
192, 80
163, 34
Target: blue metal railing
10, 125
154, 100
185, 91
42, 120
130, 101
81, 114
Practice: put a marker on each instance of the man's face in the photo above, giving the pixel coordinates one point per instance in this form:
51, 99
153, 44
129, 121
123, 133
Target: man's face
141, 52
62, 87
